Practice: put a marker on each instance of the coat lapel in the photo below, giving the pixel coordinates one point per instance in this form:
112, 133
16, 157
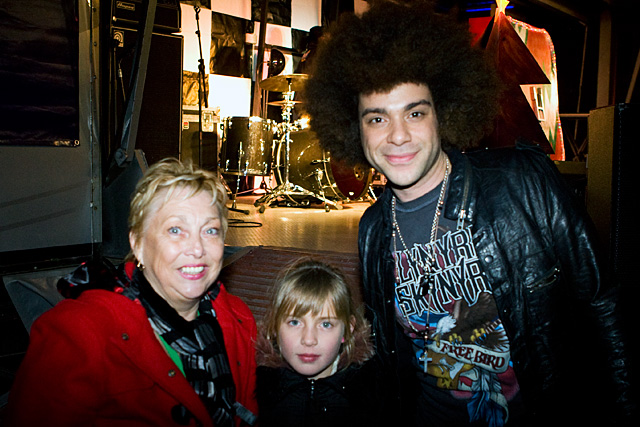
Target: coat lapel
135, 338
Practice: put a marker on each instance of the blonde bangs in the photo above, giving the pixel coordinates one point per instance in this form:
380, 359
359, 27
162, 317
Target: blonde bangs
165, 179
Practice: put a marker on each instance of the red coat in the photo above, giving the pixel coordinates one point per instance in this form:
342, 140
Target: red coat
96, 361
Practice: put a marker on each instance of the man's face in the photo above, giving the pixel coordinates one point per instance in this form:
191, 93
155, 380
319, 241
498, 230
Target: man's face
399, 130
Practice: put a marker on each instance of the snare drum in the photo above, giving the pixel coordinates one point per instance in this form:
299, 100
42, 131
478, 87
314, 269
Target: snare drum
313, 169
247, 146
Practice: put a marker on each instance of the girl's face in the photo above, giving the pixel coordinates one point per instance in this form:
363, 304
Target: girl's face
310, 344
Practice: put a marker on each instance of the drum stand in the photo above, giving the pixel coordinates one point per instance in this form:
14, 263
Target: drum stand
234, 195
287, 188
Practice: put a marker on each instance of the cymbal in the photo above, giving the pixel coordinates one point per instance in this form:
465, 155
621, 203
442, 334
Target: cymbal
283, 103
284, 82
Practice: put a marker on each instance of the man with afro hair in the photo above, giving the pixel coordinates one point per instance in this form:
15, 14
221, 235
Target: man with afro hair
487, 303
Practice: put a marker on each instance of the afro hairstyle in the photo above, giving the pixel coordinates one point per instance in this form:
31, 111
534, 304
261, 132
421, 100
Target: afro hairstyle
392, 44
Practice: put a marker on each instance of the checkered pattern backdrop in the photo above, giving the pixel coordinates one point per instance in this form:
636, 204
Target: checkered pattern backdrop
230, 52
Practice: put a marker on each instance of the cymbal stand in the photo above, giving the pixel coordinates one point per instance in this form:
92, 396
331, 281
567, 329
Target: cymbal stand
287, 188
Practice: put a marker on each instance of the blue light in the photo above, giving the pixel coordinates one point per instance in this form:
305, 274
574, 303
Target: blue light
484, 9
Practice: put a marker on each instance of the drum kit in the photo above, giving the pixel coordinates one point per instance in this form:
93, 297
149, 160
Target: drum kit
290, 152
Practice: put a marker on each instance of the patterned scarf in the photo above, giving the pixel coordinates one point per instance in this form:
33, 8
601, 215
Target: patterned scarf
199, 343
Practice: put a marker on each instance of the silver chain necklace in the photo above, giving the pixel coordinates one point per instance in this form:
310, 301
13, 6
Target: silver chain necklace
427, 278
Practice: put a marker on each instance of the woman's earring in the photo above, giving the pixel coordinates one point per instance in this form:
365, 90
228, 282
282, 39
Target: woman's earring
342, 340
140, 266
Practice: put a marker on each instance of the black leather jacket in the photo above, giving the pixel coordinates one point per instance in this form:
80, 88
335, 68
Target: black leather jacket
536, 248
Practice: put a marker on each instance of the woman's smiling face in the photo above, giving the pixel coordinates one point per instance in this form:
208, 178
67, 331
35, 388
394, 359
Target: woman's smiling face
181, 248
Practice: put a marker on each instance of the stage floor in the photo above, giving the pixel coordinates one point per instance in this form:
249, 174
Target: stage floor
310, 228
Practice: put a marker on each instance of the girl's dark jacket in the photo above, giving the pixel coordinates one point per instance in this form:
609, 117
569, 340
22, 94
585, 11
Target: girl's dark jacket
536, 247
288, 399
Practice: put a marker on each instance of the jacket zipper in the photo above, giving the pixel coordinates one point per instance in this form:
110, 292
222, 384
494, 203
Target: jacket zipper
545, 281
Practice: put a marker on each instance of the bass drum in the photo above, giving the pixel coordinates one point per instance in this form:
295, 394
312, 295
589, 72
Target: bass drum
313, 169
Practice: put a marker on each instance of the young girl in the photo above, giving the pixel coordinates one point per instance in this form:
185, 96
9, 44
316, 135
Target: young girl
311, 353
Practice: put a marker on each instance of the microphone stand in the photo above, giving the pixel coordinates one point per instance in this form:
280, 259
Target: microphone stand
203, 97
202, 88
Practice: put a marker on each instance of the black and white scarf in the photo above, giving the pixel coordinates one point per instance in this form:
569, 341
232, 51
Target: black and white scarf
199, 343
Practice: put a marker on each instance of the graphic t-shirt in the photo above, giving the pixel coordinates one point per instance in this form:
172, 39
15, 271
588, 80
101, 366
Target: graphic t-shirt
468, 376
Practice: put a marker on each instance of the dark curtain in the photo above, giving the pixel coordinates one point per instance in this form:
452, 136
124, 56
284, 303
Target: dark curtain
38, 72
228, 47
278, 11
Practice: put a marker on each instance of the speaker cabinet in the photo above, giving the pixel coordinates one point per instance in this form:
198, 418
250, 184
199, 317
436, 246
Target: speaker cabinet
612, 184
612, 187
160, 123
202, 153
130, 12
191, 148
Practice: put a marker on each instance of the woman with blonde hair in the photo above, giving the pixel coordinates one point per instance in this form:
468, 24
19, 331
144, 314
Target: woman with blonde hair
156, 342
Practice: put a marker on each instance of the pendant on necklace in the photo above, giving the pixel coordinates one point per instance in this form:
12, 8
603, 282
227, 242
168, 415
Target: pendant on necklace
424, 358
425, 284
